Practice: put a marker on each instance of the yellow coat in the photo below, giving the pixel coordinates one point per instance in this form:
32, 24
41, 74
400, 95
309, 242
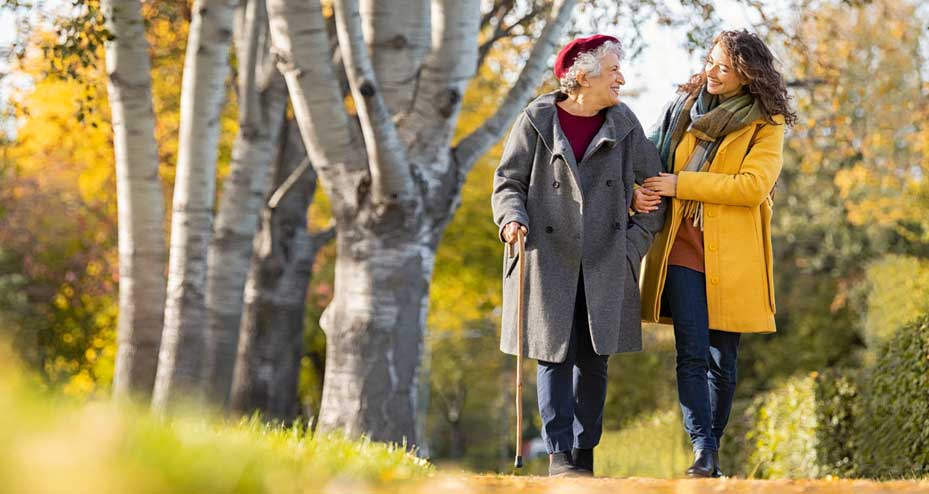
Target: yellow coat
736, 233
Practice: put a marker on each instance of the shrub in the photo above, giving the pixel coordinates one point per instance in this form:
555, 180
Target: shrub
783, 437
872, 422
837, 406
653, 445
894, 423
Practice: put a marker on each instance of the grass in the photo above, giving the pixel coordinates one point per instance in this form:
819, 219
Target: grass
49, 443
653, 445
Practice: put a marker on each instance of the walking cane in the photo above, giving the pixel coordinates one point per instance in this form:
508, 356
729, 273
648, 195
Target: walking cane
521, 243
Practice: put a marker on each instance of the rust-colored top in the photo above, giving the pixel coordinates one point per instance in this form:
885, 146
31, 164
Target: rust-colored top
687, 250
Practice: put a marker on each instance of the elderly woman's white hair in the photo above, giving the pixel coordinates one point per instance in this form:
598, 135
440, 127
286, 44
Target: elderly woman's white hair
589, 63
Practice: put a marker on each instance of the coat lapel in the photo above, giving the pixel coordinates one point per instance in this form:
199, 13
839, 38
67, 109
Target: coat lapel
543, 115
544, 118
616, 126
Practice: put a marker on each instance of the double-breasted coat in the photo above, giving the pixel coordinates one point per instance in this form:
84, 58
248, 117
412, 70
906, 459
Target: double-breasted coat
577, 214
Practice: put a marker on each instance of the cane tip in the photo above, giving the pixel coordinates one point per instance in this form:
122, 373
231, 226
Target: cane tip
519, 462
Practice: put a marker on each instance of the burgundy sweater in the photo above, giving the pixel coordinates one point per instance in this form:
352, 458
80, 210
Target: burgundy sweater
579, 130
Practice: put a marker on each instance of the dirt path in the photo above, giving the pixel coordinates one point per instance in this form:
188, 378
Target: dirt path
498, 484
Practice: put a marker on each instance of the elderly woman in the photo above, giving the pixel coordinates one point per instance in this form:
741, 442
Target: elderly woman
566, 180
709, 272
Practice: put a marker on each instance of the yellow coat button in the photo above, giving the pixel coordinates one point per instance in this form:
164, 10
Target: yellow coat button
712, 247
715, 280
711, 214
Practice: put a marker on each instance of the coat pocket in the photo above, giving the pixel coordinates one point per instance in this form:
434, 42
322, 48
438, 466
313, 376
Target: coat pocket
766, 213
633, 268
510, 264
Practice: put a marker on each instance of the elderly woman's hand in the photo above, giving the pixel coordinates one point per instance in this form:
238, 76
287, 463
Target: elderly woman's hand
509, 231
665, 184
644, 200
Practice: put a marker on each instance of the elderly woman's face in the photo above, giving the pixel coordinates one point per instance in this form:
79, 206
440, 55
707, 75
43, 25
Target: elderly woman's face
604, 88
721, 76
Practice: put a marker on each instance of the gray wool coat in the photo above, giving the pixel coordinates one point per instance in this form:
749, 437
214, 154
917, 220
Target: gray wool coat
577, 213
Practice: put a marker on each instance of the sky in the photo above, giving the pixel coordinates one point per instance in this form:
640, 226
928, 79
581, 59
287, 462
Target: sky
655, 73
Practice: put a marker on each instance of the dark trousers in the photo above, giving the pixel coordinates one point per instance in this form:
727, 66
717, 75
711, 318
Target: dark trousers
706, 359
572, 393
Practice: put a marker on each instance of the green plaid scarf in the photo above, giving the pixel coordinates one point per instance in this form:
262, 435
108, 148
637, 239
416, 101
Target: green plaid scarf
710, 121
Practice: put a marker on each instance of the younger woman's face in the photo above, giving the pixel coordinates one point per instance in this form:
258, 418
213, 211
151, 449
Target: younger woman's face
721, 76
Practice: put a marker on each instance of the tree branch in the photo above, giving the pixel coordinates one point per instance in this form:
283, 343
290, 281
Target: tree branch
301, 46
323, 237
501, 32
478, 142
390, 177
288, 183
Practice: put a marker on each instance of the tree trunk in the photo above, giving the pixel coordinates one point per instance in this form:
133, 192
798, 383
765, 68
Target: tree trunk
262, 104
271, 341
139, 201
374, 328
391, 200
180, 370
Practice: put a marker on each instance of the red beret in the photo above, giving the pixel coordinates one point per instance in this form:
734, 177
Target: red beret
569, 53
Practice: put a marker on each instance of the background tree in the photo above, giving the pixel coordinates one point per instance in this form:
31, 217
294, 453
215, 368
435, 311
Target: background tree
206, 65
140, 201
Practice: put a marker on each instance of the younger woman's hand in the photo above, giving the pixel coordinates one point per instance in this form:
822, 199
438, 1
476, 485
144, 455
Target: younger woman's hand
644, 200
665, 184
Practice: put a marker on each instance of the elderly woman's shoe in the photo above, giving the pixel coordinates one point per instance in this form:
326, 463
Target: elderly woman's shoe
560, 465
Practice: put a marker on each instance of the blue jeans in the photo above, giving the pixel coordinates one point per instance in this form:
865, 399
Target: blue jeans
706, 359
572, 393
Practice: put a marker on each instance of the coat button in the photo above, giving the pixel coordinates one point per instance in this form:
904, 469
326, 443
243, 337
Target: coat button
609, 183
712, 247
556, 184
617, 226
711, 213
549, 229
714, 280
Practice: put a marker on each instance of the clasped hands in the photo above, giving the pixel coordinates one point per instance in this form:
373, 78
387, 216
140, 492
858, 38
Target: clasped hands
647, 197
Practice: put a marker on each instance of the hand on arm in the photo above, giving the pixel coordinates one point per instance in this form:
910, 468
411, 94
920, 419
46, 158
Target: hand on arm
665, 184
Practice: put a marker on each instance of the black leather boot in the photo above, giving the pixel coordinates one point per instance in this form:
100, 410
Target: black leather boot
583, 460
704, 465
718, 472
560, 465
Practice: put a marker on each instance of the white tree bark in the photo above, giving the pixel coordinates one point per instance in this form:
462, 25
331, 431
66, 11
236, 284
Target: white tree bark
206, 66
391, 180
300, 44
262, 104
428, 130
140, 203
397, 35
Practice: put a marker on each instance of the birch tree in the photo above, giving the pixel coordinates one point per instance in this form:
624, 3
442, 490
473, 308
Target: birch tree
271, 338
202, 94
392, 177
262, 97
139, 200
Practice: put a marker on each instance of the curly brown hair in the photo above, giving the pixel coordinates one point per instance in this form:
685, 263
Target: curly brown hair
754, 62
